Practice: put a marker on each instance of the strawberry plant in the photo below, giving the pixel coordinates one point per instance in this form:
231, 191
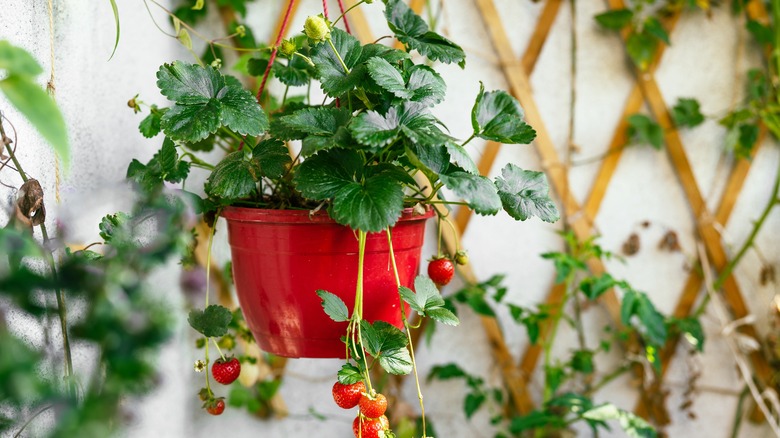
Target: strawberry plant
360, 151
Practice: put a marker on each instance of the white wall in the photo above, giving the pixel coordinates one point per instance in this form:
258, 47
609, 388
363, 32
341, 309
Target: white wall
92, 93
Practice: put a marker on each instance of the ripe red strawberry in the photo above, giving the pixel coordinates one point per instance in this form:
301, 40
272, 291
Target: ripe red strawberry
348, 396
441, 271
215, 407
226, 371
372, 427
373, 407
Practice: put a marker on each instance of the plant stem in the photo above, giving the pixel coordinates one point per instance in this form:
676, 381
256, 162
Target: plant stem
468, 140
357, 313
61, 308
219, 350
343, 14
338, 55
738, 413
208, 284
724, 275
408, 330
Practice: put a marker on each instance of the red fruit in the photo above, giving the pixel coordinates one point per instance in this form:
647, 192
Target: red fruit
215, 407
441, 271
226, 371
372, 427
348, 396
373, 407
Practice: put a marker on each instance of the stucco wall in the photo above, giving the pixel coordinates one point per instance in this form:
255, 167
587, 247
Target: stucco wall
93, 92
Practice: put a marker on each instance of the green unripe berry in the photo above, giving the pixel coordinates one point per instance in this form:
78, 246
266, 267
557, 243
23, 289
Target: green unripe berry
288, 48
317, 28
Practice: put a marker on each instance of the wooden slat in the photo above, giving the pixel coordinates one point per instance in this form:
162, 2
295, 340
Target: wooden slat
280, 20
552, 165
539, 37
359, 24
695, 281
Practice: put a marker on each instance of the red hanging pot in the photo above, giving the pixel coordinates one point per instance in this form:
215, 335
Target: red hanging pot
282, 257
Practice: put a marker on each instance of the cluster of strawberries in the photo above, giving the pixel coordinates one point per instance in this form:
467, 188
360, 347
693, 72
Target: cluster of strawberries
371, 421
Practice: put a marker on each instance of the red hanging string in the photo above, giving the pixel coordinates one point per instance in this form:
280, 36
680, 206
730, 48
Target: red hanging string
275, 48
346, 23
325, 9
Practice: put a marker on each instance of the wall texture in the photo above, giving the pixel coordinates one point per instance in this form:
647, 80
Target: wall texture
703, 62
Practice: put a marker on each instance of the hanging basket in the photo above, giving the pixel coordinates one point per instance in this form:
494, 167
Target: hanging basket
282, 257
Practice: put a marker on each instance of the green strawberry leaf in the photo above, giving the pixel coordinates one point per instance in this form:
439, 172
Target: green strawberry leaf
324, 174
189, 84
173, 170
273, 157
692, 330
460, 157
205, 101
479, 192
333, 306
472, 402
320, 128
641, 48
524, 193
235, 177
615, 19
411, 120
150, 125
387, 77
497, 116
594, 287
295, 73
428, 301
410, 29
425, 85
633, 425
328, 69
381, 336
656, 29
372, 205
241, 112
398, 361
349, 374
212, 322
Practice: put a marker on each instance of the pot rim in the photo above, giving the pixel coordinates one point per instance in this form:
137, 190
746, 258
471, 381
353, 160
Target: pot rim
275, 216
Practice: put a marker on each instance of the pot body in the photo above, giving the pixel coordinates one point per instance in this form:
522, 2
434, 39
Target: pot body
282, 257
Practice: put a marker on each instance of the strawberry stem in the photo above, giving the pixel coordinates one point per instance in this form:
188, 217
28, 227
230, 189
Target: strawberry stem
408, 330
221, 355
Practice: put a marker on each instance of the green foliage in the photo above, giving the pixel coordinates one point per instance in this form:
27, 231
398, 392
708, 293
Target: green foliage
204, 102
615, 19
686, 113
412, 31
497, 116
333, 306
525, 193
387, 344
427, 301
120, 319
642, 129
34, 103
212, 322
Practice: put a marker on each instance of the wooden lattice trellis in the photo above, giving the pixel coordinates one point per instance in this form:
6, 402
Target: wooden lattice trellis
581, 218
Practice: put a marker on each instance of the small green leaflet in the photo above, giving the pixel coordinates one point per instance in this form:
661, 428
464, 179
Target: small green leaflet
479, 192
387, 343
652, 323
460, 157
111, 224
497, 116
424, 85
322, 175
615, 19
594, 287
150, 125
205, 101
687, 113
643, 129
641, 48
320, 128
333, 79
211, 322
235, 177
412, 30
333, 306
656, 29
411, 120
17, 61
349, 374
273, 157
524, 193
428, 301
633, 425
371, 205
